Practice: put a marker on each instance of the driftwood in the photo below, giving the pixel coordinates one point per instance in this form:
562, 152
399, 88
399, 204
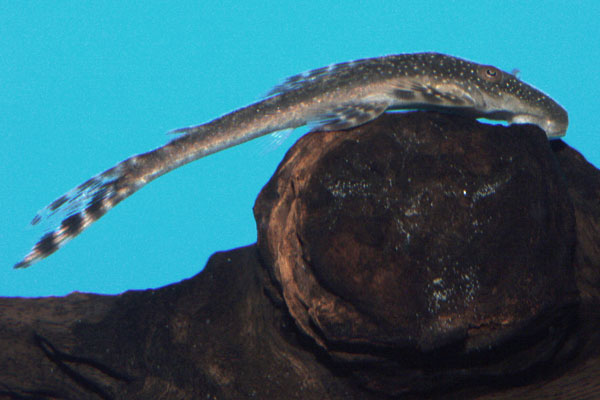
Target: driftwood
419, 256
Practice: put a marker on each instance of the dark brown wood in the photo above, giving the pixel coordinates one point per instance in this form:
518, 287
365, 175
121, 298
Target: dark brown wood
335, 303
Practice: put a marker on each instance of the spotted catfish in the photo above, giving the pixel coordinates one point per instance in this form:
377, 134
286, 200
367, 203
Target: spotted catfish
337, 97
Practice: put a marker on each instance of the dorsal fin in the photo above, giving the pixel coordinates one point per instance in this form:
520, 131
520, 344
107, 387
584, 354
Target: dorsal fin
312, 76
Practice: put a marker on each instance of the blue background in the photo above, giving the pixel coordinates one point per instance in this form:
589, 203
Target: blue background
84, 85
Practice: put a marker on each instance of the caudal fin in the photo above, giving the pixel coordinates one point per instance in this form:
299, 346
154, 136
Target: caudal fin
74, 211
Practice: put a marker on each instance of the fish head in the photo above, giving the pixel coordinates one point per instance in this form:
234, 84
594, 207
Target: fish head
502, 95
485, 91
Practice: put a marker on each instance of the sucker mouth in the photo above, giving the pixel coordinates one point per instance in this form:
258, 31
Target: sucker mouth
554, 129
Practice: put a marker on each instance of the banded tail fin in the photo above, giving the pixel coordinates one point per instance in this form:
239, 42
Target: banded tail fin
73, 212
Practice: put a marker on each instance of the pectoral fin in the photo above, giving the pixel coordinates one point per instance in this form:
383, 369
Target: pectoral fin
408, 92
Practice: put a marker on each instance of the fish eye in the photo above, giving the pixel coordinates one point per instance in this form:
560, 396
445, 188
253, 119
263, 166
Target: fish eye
489, 73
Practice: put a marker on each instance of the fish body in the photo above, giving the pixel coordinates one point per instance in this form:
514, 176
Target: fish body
337, 97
